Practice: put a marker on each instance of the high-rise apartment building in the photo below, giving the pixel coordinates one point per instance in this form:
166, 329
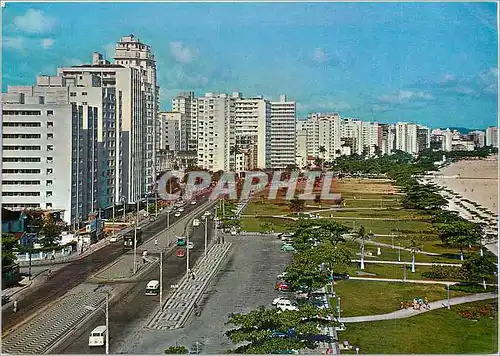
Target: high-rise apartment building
301, 143
478, 137
281, 152
492, 136
423, 138
323, 134
406, 137
170, 131
131, 52
187, 105
50, 151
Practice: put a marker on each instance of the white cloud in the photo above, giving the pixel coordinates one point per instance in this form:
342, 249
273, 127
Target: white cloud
404, 96
16, 43
182, 52
34, 21
46, 43
319, 55
464, 90
72, 62
448, 78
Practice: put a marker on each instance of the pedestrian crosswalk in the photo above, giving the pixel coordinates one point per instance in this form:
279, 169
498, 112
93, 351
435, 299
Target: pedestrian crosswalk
50, 326
179, 306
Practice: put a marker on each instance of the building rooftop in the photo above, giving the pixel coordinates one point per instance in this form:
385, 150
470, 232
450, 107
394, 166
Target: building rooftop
99, 66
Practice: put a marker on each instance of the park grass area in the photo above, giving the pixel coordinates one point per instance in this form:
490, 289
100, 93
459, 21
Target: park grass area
371, 203
389, 271
267, 207
428, 245
370, 298
388, 227
359, 185
251, 224
362, 214
440, 331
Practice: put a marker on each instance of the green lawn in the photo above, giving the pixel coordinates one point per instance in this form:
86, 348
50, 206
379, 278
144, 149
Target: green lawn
403, 214
389, 271
387, 227
440, 331
255, 224
375, 203
266, 208
368, 298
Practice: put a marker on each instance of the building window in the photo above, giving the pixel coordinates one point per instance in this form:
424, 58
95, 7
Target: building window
50, 170
50, 136
84, 103
84, 93
49, 182
50, 124
50, 112
72, 94
50, 160
49, 205
48, 194
50, 147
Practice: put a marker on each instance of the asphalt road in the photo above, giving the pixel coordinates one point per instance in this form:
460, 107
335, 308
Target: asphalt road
243, 284
75, 273
133, 308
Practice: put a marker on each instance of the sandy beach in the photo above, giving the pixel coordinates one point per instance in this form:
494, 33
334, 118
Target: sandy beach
476, 180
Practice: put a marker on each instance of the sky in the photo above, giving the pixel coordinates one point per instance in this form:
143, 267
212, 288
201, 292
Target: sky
431, 63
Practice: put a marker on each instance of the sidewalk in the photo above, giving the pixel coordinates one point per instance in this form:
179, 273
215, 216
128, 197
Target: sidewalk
409, 263
406, 313
409, 281
180, 304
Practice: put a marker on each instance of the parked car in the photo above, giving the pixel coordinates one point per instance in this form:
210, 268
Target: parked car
181, 241
5, 299
113, 239
282, 286
276, 300
180, 253
339, 277
286, 304
287, 248
196, 222
190, 245
193, 202
180, 210
281, 275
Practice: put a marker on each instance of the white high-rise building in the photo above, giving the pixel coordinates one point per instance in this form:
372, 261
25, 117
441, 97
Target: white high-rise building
50, 152
492, 136
351, 131
301, 144
131, 52
187, 105
252, 120
478, 137
127, 129
372, 138
281, 141
170, 131
323, 131
406, 137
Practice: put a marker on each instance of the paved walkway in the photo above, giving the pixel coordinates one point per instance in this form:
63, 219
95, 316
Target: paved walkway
49, 326
409, 263
179, 306
406, 313
409, 280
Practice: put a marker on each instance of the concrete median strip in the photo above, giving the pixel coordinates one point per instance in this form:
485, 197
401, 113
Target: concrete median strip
180, 305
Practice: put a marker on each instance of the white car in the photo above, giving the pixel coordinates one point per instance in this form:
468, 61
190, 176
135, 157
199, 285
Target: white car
177, 214
190, 245
196, 222
113, 239
193, 202
277, 300
180, 210
281, 276
286, 305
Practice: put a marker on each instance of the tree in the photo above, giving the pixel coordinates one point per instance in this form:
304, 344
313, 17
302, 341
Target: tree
51, 232
361, 234
297, 205
477, 268
9, 242
310, 232
317, 199
322, 150
460, 234
176, 350
234, 150
304, 273
259, 328
414, 249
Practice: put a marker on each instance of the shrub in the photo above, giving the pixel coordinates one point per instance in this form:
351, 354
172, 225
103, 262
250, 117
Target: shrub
472, 288
478, 312
444, 272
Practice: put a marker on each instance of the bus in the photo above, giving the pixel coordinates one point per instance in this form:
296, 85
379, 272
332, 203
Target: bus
98, 336
153, 287
128, 239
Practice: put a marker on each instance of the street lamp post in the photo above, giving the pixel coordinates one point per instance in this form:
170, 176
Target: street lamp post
107, 319
135, 235
399, 252
448, 289
114, 204
357, 350
338, 299
161, 280
206, 234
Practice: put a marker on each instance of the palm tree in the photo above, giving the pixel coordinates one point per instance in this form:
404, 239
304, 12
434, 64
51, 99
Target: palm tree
234, 150
297, 205
361, 234
413, 249
322, 150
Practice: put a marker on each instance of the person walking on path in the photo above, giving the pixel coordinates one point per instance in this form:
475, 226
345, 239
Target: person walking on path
14, 306
156, 242
192, 275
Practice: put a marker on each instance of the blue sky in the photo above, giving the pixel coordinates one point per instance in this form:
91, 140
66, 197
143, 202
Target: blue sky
432, 63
